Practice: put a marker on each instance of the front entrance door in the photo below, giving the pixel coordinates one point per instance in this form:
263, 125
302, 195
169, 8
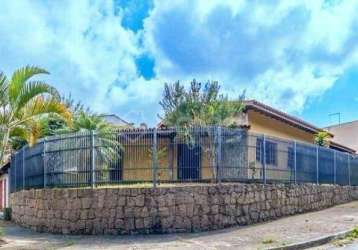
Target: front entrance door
189, 162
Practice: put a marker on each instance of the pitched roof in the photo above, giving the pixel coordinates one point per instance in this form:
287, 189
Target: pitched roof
340, 147
284, 117
115, 119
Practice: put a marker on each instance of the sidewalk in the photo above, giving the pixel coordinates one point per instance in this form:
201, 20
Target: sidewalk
281, 232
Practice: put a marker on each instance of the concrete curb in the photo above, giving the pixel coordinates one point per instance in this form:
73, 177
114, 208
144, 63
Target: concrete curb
315, 242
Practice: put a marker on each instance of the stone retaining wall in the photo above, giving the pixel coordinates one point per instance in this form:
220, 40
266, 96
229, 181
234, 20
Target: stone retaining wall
168, 209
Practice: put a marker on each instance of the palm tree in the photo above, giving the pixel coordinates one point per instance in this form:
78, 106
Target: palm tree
23, 103
200, 106
108, 149
106, 135
322, 139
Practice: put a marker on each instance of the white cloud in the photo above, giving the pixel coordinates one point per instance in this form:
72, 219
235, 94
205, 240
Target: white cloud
82, 44
282, 52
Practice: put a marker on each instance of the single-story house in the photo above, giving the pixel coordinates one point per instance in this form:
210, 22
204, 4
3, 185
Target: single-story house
266, 138
241, 152
345, 133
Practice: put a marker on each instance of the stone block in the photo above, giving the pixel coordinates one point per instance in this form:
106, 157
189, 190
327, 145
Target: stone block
164, 211
86, 203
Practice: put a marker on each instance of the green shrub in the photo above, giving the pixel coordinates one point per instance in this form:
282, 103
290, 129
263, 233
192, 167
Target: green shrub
268, 241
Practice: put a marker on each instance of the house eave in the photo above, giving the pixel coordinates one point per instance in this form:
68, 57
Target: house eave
283, 117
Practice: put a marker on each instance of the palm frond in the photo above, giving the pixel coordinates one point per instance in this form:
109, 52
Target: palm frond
34, 89
4, 83
19, 79
19, 131
40, 106
30, 131
4, 117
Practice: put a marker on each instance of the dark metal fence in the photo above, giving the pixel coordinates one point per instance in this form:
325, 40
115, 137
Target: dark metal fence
207, 154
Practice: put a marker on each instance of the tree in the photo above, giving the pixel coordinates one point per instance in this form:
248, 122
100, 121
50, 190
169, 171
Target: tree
23, 103
322, 138
108, 147
54, 124
200, 106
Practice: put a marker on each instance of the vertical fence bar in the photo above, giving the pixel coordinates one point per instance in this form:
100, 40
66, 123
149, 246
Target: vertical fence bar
317, 165
295, 159
349, 169
264, 159
219, 162
23, 168
334, 167
154, 158
93, 159
44, 161
15, 176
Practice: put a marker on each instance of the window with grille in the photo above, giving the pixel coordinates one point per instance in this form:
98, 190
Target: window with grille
291, 158
271, 151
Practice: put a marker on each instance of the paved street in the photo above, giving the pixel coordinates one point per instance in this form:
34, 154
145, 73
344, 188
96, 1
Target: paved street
277, 233
334, 246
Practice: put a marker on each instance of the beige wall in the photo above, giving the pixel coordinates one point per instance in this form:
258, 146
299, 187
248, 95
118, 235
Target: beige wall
263, 124
137, 161
137, 164
280, 171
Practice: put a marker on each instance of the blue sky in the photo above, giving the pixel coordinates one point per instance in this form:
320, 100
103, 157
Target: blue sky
299, 56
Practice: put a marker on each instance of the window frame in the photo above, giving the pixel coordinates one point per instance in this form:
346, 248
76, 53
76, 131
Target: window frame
271, 151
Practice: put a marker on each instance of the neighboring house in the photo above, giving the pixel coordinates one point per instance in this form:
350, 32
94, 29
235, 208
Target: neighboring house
115, 120
4, 186
345, 133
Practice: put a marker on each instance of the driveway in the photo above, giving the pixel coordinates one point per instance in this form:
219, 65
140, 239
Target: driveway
281, 232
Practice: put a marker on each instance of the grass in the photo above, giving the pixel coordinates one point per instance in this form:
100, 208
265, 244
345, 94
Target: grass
140, 185
69, 243
136, 185
268, 241
2, 234
348, 239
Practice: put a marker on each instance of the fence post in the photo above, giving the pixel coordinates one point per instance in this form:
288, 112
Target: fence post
219, 166
335, 167
154, 158
349, 169
317, 165
15, 176
295, 159
23, 168
93, 159
264, 158
44, 162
